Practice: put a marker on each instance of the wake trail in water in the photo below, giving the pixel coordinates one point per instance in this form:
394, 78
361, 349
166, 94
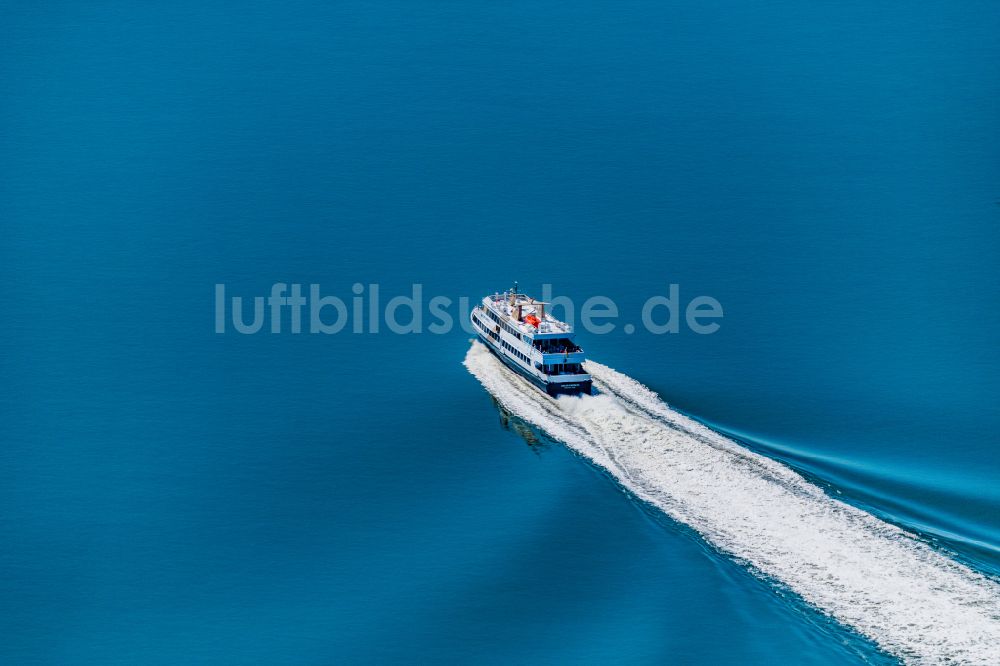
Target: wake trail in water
911, 600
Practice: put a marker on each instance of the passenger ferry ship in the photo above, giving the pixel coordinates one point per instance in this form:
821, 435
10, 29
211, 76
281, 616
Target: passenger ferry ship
531, 342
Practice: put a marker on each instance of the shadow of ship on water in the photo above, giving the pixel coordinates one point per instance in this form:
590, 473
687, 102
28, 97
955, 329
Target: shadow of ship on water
536, 441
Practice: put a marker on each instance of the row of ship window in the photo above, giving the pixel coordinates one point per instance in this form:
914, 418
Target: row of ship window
509, 347
506, 345
489, 331
510, 329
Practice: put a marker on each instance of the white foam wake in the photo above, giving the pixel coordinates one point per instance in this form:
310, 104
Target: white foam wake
911, 600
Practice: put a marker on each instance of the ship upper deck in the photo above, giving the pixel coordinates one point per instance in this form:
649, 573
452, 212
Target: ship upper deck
518, 309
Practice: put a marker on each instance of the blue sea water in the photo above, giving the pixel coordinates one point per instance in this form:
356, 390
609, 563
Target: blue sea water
827, 171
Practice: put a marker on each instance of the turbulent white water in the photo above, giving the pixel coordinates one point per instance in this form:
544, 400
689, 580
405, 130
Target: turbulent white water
911, 600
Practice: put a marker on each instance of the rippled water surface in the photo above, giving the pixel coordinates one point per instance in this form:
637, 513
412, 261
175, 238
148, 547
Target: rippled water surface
174, 495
